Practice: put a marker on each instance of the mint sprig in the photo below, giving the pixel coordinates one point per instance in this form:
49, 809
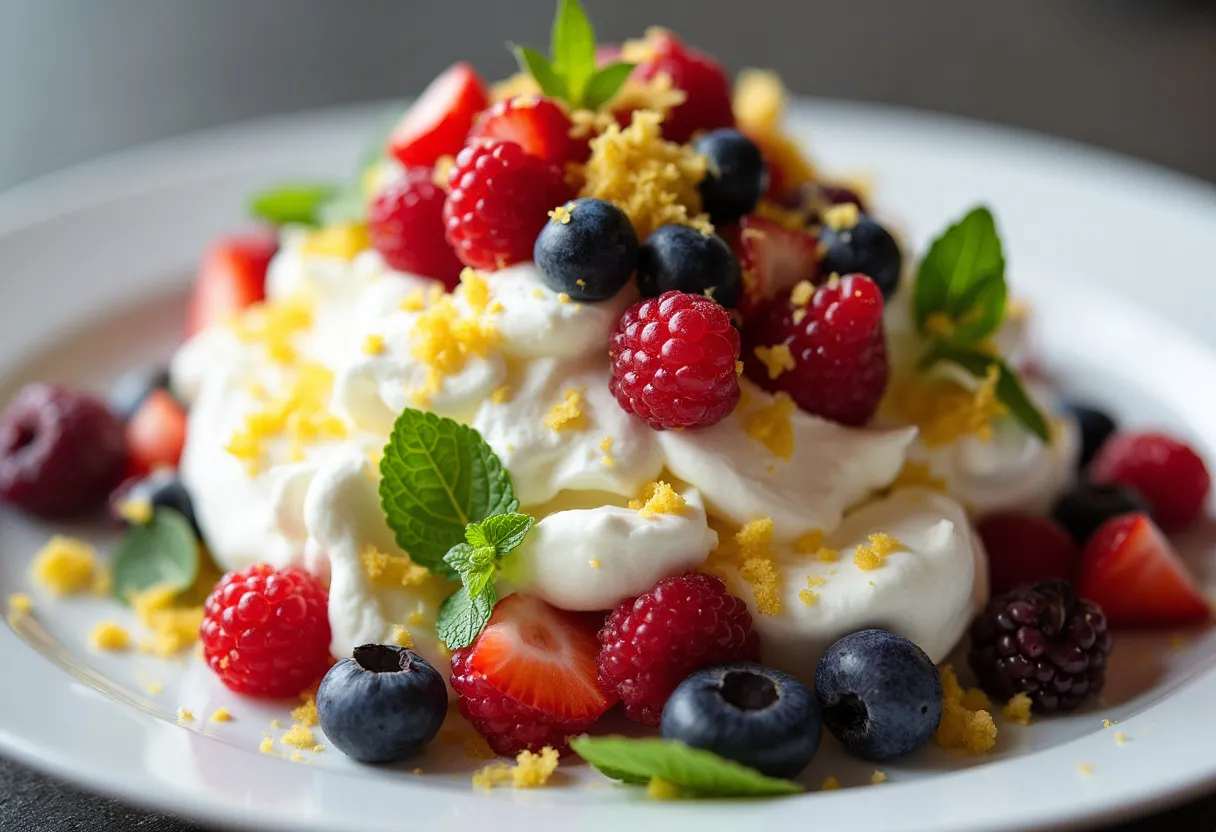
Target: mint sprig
569, 73
163, 551
461, 618
697, 772
298, 203
476, 560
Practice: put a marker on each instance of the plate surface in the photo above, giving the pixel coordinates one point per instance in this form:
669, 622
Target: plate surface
93, 267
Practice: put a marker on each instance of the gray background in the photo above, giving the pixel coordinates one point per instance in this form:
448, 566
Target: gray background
82, 77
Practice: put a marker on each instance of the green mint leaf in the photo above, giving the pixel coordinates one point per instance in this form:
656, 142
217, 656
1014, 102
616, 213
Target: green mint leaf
605, 84
460, 558
298, 203
502, 532
164, 551
963, 277
694, 770
437, 476
462, 618
479, 580
538, 66
573, 48
1009, 388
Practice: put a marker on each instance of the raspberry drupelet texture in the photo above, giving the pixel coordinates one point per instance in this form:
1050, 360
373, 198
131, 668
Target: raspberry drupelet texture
405, 223
649, 644
266, 631
673, 361
837, 345
1166, 472
499, 200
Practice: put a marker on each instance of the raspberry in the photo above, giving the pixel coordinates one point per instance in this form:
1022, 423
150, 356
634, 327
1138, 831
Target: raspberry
1043, 641
1026, 549
405, 223
1166, 472
673, 361
539, 125
266, 631
61, 452
707, 103
837, 345
652, 642
499, 200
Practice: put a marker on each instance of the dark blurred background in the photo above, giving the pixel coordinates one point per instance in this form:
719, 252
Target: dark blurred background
79, 78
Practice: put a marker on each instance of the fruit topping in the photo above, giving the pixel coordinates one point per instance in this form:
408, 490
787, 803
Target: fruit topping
1095, 427
156, 433
231, 277
652, 642
405, 224
437, 122
381, 705
539, 125
680, 258
137, 497
1165, 471
61, 451
774, 260
1086, 506
707, 95
1026, 549
588, 249
737, 175
673, 361
133, 386
854, 243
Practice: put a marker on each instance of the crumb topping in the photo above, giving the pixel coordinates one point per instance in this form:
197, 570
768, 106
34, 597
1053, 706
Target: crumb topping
136, 510
802, 293
266, 746
568, 413
945, 411
878, 777
108, 635
185, 715
776, 359
842, 217
962, 729
1017, 709
658, 498
594, 563
391, 570
661, 789
445, 337
65, 566
402, 637
531, 771
342, 241
608, 459
299, 736
1120, 737
772, 425
373, 344
221, 715
173, 628
831, 784
562, 213
1086, 769
918, 475
154, 688
870, 557
306, 714
756, 564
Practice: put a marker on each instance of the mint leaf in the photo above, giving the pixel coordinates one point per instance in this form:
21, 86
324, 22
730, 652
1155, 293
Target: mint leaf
163, 551
963, 277
292, 203
478, 580
502, 532
605, 84
460, 558
437, 476
538, 66
573, 48
461, 618
699, 772
1009, 390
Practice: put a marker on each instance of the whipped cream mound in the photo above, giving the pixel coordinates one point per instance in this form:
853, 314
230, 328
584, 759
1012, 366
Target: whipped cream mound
592, 558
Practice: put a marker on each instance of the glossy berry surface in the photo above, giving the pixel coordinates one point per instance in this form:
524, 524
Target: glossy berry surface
881, 695
707, 102
61, 451
1044, 641
231, 277
1086, 506
156, 434
383, 704
754, 715
266, 631
133, 387
682, 259
587, 250
1026, 549
539, 125
673, 361
774, 259
1095, 427
1167, 472
405, 224
865, 248
649, 644
437, 122
160, 489
737, 174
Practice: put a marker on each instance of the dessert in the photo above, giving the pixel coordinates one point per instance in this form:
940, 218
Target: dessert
593, 392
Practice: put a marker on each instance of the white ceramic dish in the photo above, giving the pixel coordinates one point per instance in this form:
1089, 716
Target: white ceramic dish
1114, 254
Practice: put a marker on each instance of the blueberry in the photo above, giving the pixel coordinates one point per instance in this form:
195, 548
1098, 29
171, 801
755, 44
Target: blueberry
682, 258
133, 386
737, 175
1087, 506
383, 704
589, 250
161, 488
862, 248
881, 695
748, 713
1095, 427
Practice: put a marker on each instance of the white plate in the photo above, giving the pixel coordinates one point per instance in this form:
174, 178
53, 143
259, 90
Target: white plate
93, 263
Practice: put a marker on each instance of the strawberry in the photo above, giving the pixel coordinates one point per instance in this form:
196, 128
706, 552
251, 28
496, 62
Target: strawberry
1026, 549
1130, 569
231, 277
1165, 471
707, 104
156, 433
437, 123
538, 125
774, 258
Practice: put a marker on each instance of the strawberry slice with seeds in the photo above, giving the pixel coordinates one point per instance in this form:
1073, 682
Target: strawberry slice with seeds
1130, 569
774, 258
437, 123
231, 277
537, 124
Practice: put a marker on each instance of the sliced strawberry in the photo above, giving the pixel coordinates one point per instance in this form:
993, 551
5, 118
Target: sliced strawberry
231, 277
437, 123
156, 433
1130, 569
774, 258
1026, 549
537, 124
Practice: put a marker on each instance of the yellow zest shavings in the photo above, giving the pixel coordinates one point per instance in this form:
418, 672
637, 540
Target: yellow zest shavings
945, 411
759, 107
756, 564
962, 729
772, 426
154, 688
802, 293
658, 498
500, 395
562, 213
266, 746
831, 784
567, 414
65, 566
442, 173
185, 715
474, 289
373, 344
531, 771
563, 297
221, 715
402, 636
1106, 723
841, 217
1120, 737
391, 570
299, 736
660, 789
445, 338
606, 446
413, 302
108, 635
776, 359
275, 325
135, 510
1018, 709
1085, 769
173, 628
918, 475
594, 563
975, 699
809, 596
473, 744
878, 777
870, 557
306, 714
341, 241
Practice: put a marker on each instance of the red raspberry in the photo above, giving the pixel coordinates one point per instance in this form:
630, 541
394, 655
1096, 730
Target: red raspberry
539, 125
651, 643
837, 345
499, 201
1169, 475
673, 361
405, 223
266, 631
1026, 549
708, 102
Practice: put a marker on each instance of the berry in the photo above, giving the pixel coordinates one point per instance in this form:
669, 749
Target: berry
737, 175
1026, 549
838, 348
1134, 573
437, 122
133, 386
156, 433
266, 631
498, 202
864, 248
61, 451
161, 489
707, 104
528, 680
880, 693
539, 125
1095, 427
762, 718
381, 705
1166, 472
652, 642
1081, 510
231, 277
673, 361
405, 224
1043, 641
682, 259
590, 253
774, 259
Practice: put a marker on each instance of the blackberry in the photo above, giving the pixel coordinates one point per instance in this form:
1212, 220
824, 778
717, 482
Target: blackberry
1044, 641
